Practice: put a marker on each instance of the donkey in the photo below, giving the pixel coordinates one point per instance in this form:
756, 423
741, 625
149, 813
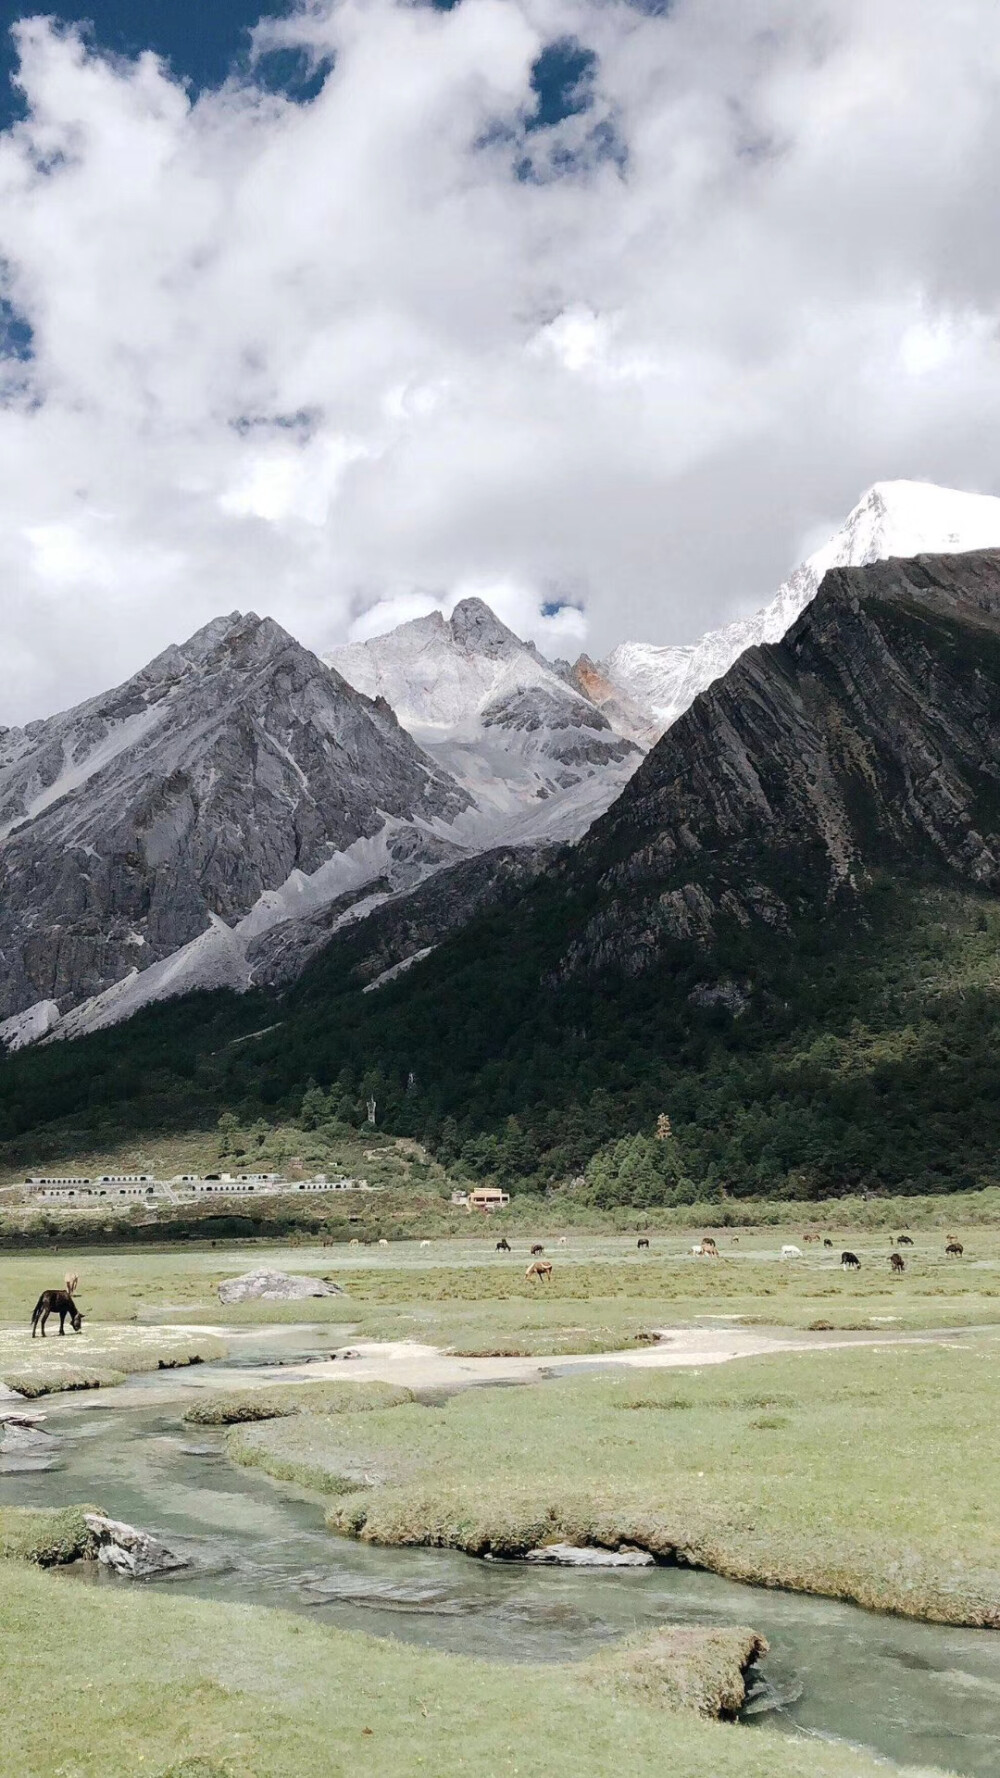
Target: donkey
55, 1302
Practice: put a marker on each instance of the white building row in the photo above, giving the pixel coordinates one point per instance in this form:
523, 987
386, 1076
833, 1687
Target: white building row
143, 1186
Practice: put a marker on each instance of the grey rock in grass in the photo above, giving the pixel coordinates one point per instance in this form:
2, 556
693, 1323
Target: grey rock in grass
131, 1552
266, 1286
568, 1555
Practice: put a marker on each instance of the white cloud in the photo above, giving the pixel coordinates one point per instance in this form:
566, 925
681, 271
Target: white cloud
340, 363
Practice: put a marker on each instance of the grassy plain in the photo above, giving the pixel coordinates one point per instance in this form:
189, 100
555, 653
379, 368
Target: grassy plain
864, 1473
181, 1688
463, 1295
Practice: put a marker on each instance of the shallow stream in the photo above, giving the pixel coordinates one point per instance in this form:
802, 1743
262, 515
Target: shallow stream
916, 1693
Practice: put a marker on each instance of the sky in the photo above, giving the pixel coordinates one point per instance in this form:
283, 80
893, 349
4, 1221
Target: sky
605, 310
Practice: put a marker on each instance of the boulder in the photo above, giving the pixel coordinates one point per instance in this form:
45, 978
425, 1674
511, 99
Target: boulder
266, 1286
568, 1555
129, 1551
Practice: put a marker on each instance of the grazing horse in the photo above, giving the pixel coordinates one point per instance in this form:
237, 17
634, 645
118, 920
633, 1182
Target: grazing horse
955, 1249
827, 1242
904, 1240
71, 1282
538, 1248
708, 1249
642, 1242
850, 1262
808, 1238
897, 1262
55, 1302
503, 1245
540, 1268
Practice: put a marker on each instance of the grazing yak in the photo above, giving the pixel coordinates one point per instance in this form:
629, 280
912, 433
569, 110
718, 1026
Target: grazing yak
503, 1245
55, 1302
540, 1268
897, 1262
850, 1262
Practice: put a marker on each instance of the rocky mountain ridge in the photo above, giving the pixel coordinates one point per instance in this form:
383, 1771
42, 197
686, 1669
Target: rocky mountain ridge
867, 739
533, 750
223, 778
238, 804
896, 518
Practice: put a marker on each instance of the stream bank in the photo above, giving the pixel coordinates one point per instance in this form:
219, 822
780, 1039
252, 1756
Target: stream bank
915, 1693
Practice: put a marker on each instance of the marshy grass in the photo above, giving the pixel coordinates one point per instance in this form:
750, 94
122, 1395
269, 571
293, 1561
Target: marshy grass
234, 1407
864, 1474
47, 1536
152, 1682
98, 1357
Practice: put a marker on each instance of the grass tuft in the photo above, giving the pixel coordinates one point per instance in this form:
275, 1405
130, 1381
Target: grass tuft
238, 1407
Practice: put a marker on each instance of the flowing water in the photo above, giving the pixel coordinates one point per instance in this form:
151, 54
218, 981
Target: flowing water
916, 1693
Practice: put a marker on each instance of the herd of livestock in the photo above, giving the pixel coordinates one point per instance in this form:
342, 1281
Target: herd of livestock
708, 1248
60, 1302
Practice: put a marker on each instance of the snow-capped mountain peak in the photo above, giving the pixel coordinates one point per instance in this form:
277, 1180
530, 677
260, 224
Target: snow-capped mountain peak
536, 754
894, 518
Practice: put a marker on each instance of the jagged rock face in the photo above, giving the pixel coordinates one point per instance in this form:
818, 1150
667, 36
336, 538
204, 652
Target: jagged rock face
221, 768
868, 738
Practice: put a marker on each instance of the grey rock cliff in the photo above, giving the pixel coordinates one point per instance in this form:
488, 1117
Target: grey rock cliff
868, 738
128, 823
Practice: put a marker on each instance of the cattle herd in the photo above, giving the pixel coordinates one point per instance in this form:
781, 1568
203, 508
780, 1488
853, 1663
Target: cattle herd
707, 1248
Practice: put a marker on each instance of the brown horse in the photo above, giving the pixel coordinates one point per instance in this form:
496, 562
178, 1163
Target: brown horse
897, 1262
538, 1248
954, 1249
540, 1268
642, 1242
55, 1302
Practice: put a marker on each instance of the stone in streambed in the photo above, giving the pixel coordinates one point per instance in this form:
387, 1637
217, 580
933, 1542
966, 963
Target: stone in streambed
129, 1551
568, 1555
266, 1286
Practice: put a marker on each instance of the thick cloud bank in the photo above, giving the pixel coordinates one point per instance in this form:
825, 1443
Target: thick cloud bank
602, 311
